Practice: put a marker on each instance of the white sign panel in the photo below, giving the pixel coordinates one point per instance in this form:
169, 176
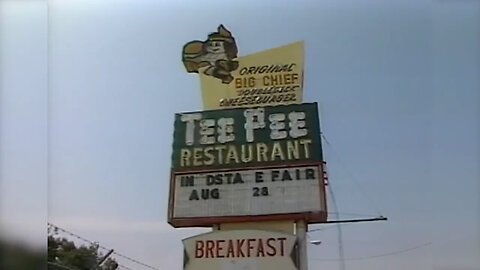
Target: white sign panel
240, 249
249, 192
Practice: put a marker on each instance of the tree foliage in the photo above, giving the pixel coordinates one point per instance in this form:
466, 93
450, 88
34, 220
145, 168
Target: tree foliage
64, 252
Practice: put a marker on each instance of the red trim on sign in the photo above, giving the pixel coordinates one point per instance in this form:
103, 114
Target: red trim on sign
324, 179
171, 196
303, 164
318, 217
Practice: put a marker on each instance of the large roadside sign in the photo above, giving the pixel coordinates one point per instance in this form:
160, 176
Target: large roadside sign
251, 160
240, 249
247, 165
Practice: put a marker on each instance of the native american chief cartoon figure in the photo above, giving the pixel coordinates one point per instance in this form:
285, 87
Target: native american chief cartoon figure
216, 55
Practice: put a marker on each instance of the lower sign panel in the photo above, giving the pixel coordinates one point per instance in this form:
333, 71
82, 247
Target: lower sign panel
208, 198
240, 249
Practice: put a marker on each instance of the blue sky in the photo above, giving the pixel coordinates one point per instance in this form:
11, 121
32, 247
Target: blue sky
399, 92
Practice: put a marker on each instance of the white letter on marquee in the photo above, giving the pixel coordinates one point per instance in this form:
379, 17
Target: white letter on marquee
297, 124
277, 125
225, 130
254, 119
190, 119
207, 131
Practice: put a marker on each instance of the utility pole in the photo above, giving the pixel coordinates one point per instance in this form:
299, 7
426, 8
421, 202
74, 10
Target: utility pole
301, 231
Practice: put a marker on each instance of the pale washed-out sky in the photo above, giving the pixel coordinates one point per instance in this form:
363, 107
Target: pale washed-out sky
397, 82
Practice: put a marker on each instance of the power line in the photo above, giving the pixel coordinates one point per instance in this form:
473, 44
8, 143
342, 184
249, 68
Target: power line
135, 261
375, 256
96, 243
341, 252
124, 267
346, 222
352, 179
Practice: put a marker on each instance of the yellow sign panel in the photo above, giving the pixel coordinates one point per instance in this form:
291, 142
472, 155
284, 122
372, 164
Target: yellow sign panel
268, 78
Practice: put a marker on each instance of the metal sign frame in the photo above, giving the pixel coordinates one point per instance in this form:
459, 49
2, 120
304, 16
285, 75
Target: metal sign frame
309, 217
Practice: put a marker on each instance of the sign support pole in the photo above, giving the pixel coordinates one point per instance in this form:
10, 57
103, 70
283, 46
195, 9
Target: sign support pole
301, 231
